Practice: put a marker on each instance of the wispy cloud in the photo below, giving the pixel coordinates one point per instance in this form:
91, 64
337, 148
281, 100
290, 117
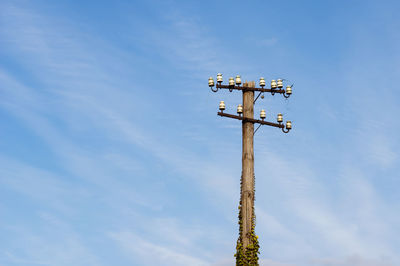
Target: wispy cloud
154, 254
352, 261
268, 42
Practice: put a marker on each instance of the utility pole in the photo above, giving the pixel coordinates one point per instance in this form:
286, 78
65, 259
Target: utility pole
247, 186
247, 244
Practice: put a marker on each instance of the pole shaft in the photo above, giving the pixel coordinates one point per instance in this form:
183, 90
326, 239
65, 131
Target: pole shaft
247, 184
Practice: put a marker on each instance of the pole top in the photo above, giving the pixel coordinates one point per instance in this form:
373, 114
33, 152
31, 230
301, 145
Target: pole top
249, 84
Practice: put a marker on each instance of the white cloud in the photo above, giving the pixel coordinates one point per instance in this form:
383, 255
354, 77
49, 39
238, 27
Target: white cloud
152, 253
268, 42
53, 242
353, 260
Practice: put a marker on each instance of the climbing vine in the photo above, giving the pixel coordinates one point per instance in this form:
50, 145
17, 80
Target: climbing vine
247, 256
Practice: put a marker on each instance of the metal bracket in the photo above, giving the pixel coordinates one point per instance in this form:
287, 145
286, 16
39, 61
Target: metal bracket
257, 129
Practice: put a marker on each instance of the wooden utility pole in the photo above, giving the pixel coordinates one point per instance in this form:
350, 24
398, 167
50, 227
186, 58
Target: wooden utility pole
247, 184
247, 244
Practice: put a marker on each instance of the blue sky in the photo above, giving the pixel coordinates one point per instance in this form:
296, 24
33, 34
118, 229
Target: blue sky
111, 151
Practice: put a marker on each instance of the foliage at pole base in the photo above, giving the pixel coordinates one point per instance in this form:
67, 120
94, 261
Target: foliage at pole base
247, 256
